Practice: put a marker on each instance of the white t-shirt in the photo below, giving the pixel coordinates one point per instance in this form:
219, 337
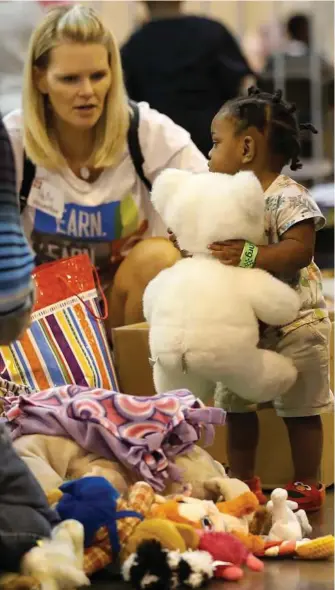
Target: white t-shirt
66, 215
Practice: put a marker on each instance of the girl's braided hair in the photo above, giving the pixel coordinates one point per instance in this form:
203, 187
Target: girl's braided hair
269, 111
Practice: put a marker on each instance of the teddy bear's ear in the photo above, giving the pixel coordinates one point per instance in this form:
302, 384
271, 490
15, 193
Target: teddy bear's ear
165, 188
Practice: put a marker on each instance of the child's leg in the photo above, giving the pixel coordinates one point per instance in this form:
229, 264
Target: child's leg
301, 407
306, 440
242, 440
242, 444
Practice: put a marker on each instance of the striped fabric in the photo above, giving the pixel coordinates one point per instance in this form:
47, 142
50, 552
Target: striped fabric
66, 343
16, 259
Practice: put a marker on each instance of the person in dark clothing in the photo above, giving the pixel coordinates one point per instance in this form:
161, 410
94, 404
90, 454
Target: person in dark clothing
185, 67
25, 516
298, 29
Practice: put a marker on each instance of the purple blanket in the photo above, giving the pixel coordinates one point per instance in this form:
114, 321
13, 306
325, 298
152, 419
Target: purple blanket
144, 433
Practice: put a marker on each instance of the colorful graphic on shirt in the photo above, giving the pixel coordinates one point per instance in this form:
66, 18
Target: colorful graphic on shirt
105, 232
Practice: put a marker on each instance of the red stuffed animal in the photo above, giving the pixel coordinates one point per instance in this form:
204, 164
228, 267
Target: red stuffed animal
225, 547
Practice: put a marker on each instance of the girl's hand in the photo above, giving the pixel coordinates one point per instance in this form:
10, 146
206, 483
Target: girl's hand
228, 252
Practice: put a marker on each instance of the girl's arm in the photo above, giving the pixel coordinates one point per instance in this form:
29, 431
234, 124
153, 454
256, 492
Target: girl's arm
293, 252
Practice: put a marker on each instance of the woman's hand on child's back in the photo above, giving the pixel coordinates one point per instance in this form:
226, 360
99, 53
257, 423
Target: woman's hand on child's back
228, 252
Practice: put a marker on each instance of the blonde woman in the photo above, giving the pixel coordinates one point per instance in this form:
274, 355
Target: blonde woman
86, 194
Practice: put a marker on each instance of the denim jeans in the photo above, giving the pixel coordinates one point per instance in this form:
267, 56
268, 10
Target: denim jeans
25, 515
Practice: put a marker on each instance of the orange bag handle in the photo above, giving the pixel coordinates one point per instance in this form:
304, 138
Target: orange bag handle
100, 291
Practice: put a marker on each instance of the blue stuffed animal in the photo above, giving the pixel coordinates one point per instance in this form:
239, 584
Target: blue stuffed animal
93, 502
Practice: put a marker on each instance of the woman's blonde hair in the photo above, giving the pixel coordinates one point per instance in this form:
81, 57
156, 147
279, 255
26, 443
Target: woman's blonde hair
78, 24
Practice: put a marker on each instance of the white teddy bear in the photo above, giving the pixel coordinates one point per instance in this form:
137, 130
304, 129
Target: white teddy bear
203, 315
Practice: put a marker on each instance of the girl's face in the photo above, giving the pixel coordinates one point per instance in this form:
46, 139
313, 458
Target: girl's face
231, 152
76, 82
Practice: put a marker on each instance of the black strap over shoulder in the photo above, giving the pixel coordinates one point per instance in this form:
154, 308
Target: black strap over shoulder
134, 144
29, 169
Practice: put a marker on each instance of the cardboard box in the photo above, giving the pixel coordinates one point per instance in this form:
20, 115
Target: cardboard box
274, 465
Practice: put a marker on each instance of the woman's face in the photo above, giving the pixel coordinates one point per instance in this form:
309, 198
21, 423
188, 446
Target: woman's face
76, 82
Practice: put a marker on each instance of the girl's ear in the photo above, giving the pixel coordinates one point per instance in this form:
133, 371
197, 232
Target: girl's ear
249, 149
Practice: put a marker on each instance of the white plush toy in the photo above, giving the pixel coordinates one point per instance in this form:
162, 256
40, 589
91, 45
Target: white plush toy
286, 524
58, 563
203, 315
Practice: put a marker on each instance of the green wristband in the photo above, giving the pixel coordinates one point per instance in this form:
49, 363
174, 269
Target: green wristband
249, 255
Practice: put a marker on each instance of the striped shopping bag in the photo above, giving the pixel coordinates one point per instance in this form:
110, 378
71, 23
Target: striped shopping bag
66, 342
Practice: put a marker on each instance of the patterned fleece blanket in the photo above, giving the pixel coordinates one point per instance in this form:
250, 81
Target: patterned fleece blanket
143, 433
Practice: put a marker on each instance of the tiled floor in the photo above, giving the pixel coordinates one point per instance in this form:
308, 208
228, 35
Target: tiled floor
283, 574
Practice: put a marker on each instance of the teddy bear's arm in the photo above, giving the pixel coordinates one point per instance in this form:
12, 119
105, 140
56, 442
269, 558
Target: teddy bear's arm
273, 302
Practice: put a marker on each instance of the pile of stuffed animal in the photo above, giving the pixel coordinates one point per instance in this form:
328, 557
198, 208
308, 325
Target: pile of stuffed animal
178, 538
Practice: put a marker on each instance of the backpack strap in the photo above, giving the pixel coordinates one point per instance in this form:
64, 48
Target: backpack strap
134, 144
29, 171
